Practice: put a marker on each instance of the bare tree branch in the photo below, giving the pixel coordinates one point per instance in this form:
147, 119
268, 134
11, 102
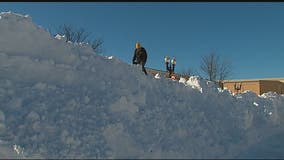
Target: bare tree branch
225, 70
80, 35
96, 45
214, 68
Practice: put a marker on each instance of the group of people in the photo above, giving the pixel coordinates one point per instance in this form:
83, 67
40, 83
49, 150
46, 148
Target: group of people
140, 57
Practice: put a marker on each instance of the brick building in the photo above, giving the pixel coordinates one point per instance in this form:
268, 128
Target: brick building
258, 86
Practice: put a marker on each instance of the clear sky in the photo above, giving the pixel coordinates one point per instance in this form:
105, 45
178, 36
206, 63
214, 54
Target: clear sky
249, 34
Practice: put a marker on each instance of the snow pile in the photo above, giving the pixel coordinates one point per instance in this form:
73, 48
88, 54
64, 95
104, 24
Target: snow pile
196, 82
59, 37
60, 100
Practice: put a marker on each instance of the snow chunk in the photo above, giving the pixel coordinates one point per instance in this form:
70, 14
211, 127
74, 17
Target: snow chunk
59, 37
256, 104
269, 95
193, 81
157, 76
19, 150
182, 80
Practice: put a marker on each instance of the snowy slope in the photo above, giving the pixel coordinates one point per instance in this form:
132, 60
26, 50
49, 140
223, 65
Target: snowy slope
61, 100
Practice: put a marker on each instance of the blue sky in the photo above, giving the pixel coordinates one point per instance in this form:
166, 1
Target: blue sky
250, 35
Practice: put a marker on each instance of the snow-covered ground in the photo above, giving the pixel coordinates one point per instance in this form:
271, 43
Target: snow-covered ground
61, 100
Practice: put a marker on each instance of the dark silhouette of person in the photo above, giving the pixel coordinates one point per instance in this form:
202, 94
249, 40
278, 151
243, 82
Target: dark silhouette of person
140, 56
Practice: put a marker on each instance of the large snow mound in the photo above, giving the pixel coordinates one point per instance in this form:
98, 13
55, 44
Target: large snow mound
61, 100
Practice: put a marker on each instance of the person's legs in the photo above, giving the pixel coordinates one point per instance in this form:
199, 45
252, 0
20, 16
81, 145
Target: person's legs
144, 70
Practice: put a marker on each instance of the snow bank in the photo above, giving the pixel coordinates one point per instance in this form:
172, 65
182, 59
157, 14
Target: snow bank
60, 100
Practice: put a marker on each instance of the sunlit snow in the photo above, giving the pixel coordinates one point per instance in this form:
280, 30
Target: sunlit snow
62, 100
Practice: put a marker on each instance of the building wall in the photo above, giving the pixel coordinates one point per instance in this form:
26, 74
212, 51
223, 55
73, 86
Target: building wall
253, 86
257, 86
274, 86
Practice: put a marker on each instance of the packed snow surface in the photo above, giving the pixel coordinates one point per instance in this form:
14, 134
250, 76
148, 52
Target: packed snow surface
62, 100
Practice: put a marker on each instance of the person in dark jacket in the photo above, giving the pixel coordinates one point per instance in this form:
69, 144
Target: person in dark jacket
140, 56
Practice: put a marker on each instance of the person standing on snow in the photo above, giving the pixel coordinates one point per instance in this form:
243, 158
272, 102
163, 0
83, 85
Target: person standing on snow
140, 56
